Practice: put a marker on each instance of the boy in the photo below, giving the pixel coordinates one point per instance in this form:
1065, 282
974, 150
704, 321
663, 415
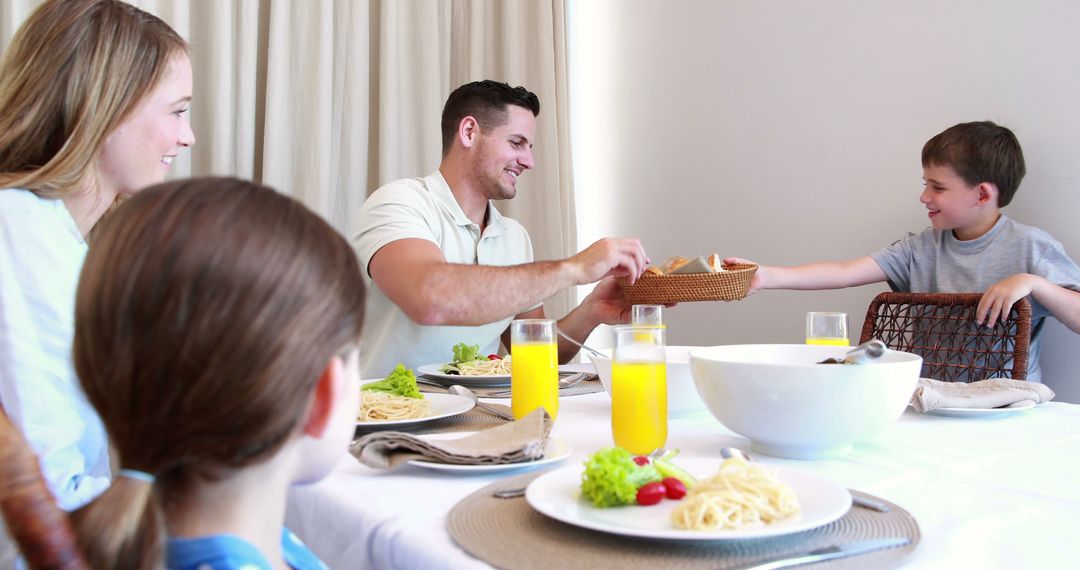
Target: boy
970, 171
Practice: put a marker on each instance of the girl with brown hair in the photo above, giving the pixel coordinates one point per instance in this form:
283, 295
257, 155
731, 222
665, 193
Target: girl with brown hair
93, 101
216, 334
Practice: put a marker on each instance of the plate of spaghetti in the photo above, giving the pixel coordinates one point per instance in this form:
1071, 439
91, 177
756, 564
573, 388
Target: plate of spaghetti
387, 411
484, 373
731, 503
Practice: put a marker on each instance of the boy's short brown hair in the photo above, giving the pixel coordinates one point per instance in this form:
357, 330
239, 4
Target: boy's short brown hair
979, 152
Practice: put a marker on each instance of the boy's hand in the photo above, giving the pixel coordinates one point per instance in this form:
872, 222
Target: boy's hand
758, 281
998, 300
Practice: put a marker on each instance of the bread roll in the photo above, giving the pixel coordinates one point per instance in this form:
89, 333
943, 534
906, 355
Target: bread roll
672, 263
716, 263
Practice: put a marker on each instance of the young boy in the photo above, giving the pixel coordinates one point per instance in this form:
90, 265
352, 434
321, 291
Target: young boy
970, 172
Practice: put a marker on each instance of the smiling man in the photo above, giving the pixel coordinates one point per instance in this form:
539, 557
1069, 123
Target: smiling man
446, 267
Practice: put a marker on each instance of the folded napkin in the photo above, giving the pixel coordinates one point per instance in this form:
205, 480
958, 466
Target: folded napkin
991, 393
514, 442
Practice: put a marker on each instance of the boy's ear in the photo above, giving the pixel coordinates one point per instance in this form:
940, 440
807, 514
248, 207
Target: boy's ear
988, 193
328, 390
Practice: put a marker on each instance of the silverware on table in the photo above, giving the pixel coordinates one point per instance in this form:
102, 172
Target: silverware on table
572, 380
463, 391
509, 493
831, 552
868, 351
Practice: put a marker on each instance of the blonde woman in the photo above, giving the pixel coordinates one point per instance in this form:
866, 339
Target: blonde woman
216, 334
93, 102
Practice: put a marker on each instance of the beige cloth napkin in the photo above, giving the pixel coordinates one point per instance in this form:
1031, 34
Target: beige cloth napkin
513, 442
991, 393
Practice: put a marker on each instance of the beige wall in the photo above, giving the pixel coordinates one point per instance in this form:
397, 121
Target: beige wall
788, 132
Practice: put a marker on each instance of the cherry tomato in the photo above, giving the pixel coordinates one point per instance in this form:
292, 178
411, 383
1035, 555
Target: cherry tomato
641, 460
675, 488
651, 493
494, 357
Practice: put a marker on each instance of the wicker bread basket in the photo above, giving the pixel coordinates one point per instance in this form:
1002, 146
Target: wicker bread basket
728, 285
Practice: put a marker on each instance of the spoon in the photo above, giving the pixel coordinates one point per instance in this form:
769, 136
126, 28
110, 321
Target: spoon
593, 351
868, 351
733, 452
463, 391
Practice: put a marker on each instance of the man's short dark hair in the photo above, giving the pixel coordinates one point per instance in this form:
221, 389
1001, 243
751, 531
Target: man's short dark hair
486, 101
979, 152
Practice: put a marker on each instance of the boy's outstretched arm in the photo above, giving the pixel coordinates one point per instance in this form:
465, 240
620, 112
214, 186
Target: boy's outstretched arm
813, 276
1063, 303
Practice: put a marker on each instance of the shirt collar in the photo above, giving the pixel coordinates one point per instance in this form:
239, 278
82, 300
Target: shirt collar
437, 185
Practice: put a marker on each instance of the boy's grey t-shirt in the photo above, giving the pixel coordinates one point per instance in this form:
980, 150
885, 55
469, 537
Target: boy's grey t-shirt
936, 262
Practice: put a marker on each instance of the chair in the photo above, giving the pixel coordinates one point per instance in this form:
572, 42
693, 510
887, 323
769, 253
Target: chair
41, 530
941, 328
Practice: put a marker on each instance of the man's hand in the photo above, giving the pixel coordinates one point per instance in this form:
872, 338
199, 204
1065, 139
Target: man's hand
998, 300
609, 257
607, 304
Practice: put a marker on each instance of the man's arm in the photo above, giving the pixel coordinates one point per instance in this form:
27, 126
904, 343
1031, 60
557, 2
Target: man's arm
605, 305
815, 276
998, 300
414, 274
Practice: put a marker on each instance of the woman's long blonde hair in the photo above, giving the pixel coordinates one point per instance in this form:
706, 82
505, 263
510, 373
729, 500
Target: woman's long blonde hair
206, 312
72, 74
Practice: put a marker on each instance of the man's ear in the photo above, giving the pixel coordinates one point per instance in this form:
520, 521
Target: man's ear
468, 131
988, 193
328, 391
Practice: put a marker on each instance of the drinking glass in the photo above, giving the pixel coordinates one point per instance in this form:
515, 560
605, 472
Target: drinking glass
639, 389
647, 315
534, 367
827, 328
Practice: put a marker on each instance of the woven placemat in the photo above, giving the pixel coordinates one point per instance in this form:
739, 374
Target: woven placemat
508, 533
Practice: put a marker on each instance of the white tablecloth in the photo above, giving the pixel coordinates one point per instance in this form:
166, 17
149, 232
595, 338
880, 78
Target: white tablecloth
999, 492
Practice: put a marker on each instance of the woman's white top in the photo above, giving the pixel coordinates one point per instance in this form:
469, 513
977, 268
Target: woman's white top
41, 254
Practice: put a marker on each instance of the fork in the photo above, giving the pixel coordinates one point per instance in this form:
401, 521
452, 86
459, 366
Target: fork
563, 383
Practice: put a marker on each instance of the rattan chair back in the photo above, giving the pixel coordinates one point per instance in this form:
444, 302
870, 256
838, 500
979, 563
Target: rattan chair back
42, 531
940, 327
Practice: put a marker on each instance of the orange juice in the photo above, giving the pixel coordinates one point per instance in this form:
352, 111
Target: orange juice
831, 341
639, 405
534, 378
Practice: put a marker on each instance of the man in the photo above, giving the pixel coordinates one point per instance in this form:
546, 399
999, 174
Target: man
447, 267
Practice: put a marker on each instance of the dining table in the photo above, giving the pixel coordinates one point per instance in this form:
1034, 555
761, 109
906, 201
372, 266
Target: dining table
987, 491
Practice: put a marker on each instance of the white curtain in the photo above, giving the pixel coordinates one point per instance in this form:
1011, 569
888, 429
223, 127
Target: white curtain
326, 100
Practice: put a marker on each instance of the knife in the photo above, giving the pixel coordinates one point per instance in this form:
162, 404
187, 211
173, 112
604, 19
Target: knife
831, 553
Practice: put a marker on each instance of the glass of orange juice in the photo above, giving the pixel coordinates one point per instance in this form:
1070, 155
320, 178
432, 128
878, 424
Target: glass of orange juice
827, 328
534, 367
639, 389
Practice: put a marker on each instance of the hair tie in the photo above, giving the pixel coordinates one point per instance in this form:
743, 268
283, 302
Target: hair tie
137, 475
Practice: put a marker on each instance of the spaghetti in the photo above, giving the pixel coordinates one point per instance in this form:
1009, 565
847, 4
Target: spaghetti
497, 367
740, 495
381, 406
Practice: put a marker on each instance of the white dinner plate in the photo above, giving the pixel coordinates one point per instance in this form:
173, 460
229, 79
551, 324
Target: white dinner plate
557, 494
441, 406
435, 371
981, 412
554, 450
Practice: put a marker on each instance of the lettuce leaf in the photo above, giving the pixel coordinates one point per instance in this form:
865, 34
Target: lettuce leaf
612, 479
401, 382
465, 352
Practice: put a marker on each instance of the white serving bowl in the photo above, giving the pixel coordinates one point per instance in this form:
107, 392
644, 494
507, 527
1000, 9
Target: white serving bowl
789, 406
683, 398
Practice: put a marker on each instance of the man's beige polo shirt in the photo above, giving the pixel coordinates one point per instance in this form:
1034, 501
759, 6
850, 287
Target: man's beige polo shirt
425, 208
